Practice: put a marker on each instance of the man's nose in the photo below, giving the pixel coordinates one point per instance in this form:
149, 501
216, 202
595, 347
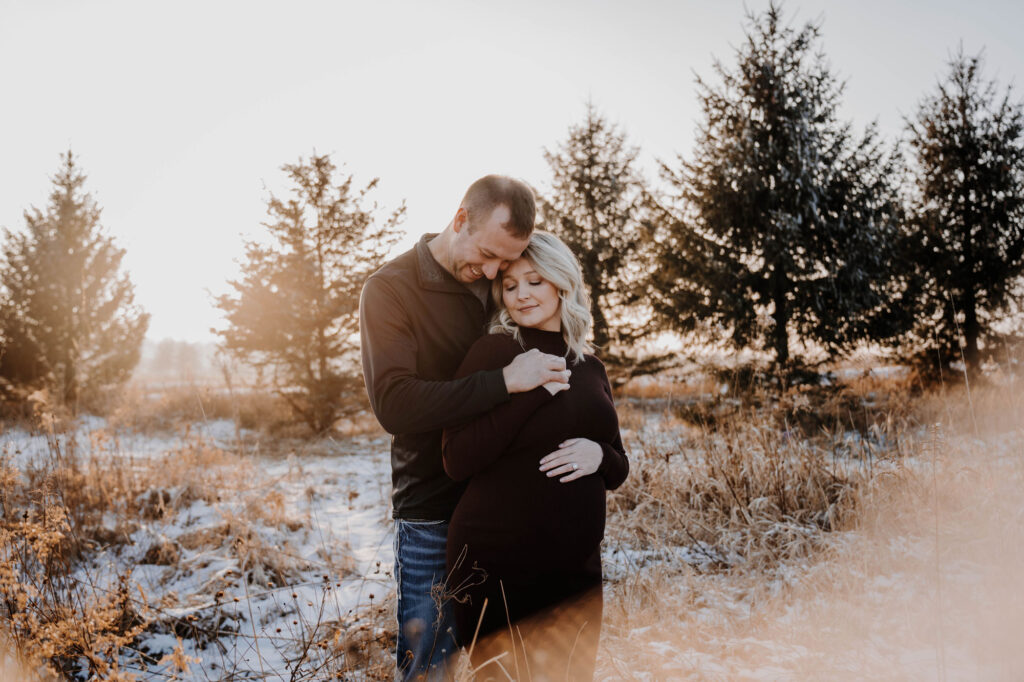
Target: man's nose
491, 270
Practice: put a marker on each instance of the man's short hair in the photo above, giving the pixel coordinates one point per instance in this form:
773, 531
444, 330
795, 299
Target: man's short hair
491, 191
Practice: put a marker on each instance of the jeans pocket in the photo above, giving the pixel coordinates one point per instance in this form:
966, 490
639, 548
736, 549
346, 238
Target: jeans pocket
419, 532
419, 548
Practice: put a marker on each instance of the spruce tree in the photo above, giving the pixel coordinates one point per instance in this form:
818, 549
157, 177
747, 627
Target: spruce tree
67, 319
967, 222
783, 224
294, 312
596, 206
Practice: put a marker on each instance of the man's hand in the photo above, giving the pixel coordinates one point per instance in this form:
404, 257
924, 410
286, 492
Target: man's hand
575, 458
531, 369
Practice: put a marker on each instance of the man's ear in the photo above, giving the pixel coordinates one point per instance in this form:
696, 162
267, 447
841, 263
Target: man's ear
461, 219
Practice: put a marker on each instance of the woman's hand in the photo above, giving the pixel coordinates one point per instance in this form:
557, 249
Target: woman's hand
554, 387
576, 457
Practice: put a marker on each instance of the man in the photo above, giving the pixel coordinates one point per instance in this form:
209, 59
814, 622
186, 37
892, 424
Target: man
419, 314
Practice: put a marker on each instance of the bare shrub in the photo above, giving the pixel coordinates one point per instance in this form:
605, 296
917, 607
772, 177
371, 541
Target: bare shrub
53, 619
61, 508
147, 409
747, 494
924, 585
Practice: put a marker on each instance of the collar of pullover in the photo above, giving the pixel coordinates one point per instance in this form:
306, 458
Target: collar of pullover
544, 341
433, 276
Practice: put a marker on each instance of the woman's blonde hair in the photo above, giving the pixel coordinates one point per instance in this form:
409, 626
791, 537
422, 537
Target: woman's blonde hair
553, 261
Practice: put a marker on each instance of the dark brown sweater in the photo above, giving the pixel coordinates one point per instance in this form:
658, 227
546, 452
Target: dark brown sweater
417, 323
539, 536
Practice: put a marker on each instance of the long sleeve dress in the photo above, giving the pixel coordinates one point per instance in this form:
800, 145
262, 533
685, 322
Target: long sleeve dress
527, 543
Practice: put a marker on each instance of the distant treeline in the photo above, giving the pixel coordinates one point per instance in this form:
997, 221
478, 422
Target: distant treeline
785, 230
175, 360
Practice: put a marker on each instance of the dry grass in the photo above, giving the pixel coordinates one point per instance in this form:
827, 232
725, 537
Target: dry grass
751, 481
54, 620
753, 527
747, 496
921, 582
66, 617
147, 410
263, 420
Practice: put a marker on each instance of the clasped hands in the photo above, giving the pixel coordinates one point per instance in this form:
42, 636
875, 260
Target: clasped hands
531, 369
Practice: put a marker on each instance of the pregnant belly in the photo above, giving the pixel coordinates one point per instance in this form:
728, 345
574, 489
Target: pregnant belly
550, 527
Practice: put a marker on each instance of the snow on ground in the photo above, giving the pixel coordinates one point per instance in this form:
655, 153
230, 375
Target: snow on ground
925, 587
92, 437
314, 531
341, 558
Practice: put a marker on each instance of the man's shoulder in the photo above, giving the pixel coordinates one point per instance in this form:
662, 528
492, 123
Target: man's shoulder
396, 279
490, 351
499, 343
399, 268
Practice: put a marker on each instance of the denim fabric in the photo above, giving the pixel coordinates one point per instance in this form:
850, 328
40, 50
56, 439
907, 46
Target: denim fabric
426, 634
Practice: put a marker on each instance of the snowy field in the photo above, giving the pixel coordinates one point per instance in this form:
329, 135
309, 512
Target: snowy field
249, 566
312, 538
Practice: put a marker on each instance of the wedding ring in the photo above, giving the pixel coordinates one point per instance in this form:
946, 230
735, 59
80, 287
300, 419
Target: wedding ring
575, 466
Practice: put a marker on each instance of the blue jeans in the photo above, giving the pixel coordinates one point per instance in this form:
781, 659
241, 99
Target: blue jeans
426, 627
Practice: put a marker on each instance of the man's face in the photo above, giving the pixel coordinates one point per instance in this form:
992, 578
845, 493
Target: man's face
485, 250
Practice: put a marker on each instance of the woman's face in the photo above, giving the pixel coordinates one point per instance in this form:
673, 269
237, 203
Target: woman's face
531, 300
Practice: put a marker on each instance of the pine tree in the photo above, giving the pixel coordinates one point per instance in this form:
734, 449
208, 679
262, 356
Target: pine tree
967, 223
595, 206
783, 224
68, 318
294, 313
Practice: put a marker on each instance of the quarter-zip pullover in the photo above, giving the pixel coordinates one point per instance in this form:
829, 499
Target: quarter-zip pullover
416, 323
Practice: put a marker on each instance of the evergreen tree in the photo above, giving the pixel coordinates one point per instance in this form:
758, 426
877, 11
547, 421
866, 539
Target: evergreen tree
967, 223
294, 313
68, 318
783, 224
595, 206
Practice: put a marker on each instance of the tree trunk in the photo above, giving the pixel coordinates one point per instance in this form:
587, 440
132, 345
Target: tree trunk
601, 335
780, 334
972, 330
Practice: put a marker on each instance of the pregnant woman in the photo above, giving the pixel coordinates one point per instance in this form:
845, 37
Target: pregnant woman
525, 537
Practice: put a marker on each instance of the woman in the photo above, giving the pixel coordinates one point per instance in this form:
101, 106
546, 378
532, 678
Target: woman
526, 533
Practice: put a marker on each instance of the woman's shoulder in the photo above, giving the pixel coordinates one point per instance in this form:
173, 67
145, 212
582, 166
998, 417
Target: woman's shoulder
592, 365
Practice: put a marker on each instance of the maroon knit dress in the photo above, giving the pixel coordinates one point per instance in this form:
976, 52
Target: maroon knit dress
529, 544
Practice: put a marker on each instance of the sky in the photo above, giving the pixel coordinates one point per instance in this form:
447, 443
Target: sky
182, 113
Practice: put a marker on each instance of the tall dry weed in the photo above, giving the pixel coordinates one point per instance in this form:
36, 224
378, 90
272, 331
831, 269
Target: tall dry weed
55, 618
746, 494
920, 582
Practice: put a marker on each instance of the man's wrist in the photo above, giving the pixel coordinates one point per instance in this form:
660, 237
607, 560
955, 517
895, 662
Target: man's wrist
497, 386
